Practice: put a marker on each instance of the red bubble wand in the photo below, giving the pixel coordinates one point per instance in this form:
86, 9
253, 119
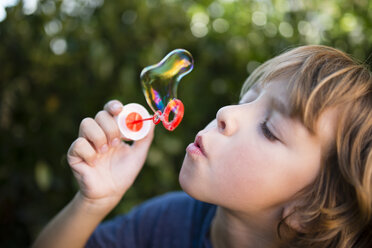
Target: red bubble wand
159, 84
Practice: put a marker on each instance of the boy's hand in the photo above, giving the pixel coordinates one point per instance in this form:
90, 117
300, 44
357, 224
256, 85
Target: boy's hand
104, 166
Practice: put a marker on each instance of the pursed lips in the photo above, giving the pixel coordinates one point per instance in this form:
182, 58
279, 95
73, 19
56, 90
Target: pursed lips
199, 143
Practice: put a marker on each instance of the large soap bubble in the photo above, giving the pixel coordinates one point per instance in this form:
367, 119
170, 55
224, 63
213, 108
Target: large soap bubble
160, 83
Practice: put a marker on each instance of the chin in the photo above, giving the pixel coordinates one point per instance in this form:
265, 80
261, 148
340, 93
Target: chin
184, 177
190, 183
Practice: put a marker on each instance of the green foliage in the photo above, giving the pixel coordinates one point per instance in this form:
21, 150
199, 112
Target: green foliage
65, 59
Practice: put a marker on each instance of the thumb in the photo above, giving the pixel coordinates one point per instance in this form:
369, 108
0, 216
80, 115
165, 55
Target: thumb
142, 146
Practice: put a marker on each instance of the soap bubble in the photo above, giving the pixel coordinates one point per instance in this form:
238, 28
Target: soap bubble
160, 83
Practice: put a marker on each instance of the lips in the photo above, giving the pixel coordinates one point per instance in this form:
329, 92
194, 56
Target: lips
199, 144
197, 148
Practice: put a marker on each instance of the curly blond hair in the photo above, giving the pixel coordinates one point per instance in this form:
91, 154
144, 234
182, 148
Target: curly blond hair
337, 206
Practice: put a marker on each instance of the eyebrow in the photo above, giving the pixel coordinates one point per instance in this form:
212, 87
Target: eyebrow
256, 88
278, 105
253, 89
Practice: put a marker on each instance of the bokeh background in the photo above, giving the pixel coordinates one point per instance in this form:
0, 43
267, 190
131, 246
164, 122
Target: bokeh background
62, 60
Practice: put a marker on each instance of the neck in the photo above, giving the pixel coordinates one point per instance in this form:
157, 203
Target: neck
233, 229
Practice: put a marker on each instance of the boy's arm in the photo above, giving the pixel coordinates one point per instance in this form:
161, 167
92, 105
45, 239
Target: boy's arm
105, 169
73, 225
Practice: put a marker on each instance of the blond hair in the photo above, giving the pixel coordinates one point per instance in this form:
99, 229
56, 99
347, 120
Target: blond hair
337, 209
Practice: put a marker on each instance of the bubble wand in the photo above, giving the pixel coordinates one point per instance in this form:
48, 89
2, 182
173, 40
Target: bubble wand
159, 85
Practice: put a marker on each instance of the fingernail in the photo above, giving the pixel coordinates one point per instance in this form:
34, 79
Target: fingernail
104, 148
115, 106
115, 142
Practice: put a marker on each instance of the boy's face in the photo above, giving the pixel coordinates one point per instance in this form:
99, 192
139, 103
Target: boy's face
253, 157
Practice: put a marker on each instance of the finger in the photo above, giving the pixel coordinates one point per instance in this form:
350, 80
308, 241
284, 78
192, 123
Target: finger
80, 170
113, 107
90, 130
81, 150
142, 146
109, 127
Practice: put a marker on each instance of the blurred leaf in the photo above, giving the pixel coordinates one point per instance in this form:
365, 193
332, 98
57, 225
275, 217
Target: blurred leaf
43, 176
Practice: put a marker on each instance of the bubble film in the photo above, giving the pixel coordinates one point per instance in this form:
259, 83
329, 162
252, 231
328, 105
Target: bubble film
160, 83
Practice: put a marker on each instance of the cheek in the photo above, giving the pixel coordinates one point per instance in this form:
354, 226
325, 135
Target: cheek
287, 174
304, 168
239, 170
260, 175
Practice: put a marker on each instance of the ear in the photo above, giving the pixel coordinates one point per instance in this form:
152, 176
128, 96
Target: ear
292, 217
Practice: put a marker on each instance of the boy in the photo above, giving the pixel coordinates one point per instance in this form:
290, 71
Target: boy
290, 166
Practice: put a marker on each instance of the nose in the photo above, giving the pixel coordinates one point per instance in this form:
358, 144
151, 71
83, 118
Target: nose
227, 119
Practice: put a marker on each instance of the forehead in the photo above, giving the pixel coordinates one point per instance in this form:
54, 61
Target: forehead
277, 93
277, 86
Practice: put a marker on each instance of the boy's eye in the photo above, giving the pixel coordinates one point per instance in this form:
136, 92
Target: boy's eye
266, 131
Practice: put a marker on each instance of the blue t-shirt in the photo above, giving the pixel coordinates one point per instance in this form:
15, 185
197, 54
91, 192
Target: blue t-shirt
171, 220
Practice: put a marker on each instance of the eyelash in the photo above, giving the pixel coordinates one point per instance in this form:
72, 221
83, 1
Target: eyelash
266, 131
